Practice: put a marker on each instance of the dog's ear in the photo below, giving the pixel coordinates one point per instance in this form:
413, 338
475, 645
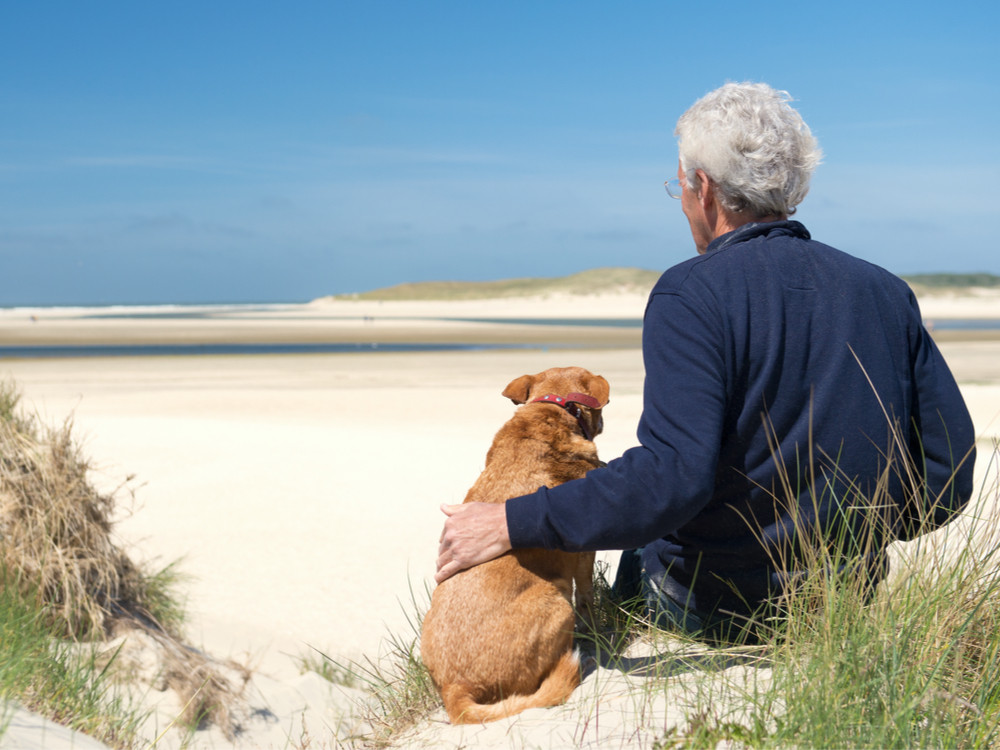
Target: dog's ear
519, 389
599, 388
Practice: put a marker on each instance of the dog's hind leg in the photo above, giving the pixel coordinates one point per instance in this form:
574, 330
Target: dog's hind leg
557, 686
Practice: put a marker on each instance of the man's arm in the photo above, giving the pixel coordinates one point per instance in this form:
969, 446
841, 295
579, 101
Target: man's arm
943, 443
652, 489
659, 485
473, 533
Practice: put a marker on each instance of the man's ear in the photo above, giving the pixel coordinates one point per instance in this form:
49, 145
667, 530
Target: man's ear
708, 200
705, 192
519, 389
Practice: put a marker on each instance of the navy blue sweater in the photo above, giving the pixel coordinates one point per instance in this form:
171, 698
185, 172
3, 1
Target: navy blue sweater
769, 350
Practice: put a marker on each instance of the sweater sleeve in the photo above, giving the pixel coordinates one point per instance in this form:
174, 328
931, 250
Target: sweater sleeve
942, 447
659, 485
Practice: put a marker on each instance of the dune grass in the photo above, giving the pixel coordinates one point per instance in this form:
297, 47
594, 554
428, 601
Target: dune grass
48, 560
66, 589
399, 692
44, 673
56, 532
917, 664
917, 668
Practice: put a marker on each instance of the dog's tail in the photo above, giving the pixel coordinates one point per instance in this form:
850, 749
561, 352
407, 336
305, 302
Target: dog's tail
555, 689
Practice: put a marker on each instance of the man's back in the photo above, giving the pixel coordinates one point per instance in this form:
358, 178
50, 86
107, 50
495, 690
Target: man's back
811, 380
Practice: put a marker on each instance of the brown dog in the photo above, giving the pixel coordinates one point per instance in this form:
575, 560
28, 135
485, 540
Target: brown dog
498, 638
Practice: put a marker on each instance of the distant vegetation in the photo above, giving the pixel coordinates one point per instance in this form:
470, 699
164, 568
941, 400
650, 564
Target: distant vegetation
605, 280
594, 281
943, 281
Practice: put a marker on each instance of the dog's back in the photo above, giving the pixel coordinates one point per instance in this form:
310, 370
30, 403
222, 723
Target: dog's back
498, 637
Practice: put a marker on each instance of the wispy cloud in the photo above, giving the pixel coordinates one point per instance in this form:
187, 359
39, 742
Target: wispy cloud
177, 224
138, 161
390, 155
886, 124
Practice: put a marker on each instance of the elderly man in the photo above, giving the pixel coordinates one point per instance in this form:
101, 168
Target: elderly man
789, 387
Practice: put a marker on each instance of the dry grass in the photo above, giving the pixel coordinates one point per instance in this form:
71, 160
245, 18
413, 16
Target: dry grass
57, 550
57, 536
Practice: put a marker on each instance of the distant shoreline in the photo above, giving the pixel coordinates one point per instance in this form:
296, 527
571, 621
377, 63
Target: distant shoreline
583, 286
597, 321
229, 350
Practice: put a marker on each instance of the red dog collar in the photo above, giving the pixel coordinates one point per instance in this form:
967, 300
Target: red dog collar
570, 398
569, 402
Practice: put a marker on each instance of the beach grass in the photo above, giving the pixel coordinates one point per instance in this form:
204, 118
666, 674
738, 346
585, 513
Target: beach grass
48, 675
914, 664
67, 590
399, 692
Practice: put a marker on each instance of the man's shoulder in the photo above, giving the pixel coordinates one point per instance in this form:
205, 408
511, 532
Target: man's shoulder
748, 257
716, 269
856, 270
676, 277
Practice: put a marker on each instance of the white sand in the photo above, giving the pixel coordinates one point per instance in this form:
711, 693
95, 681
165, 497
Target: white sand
301, 493
969, 304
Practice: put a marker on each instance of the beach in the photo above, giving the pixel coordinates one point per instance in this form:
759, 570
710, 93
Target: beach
299, 492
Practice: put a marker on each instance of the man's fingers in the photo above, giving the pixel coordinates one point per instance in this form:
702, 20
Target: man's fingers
446, 572
447, 566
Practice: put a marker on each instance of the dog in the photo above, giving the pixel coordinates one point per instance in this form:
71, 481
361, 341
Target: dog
498, 637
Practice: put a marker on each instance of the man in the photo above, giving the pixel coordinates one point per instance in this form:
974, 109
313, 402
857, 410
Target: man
790, 389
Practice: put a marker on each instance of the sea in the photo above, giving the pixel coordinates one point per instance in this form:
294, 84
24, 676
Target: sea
247, 312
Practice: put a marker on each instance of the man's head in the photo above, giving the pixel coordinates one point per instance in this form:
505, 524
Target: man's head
753, 148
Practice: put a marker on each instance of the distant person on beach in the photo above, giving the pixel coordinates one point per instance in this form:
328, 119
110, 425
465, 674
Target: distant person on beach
788, 386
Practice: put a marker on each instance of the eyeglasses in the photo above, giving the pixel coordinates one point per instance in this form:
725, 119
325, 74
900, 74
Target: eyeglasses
674, 188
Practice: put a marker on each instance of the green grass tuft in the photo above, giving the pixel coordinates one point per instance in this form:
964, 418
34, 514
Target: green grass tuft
400, 691
45, 674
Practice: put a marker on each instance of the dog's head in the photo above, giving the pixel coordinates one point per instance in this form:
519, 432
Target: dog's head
562, 382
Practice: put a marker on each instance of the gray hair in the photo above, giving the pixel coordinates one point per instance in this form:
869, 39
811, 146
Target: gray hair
753, 145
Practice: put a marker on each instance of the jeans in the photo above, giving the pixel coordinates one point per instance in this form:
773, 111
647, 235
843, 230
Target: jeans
663, 602
633, 584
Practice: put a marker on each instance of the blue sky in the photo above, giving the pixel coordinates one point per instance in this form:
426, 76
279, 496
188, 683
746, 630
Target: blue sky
182, 152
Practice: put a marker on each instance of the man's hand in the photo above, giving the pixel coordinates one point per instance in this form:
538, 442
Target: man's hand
474, 533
